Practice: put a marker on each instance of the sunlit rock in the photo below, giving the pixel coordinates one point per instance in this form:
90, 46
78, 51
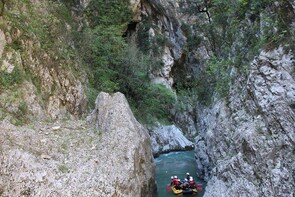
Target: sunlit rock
168, 138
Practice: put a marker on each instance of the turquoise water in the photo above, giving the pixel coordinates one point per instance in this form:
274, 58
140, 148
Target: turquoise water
175, 164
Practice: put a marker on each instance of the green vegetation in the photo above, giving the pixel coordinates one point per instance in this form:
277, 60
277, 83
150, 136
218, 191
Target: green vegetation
45, 31
14, 99
235, 30
63, 168
218, 71
112, 62
115, 64
150, 39
2, 5
36, 38
10, 79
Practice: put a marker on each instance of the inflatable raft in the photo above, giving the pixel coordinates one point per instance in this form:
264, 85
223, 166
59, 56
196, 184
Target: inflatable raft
183, 191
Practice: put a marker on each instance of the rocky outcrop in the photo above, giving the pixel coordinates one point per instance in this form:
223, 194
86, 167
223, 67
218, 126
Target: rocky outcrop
43, 61
166, 27
168, 138
136, 9
130, 166
78, 159
2, 42
247, 145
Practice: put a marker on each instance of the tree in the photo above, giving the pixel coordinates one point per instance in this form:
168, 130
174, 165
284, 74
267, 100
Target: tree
193, 7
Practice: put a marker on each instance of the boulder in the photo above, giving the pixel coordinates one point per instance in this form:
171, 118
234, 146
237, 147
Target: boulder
128, 161
168, 138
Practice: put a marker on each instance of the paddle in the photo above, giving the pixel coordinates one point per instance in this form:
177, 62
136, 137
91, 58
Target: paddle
199, 186
168, 188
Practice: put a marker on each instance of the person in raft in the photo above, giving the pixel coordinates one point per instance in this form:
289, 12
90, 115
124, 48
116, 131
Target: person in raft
192, 183
175, 182
172, 178
188, 176
185, 184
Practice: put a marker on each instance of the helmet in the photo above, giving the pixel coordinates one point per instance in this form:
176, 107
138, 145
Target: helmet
175, 177
185, 179
171, 177
187, 173
191, 179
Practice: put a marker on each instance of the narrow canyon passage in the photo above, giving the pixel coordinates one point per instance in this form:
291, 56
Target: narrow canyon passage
175, 164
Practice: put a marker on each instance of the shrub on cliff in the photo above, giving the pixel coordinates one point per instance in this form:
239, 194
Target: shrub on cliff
235, 32
116, 65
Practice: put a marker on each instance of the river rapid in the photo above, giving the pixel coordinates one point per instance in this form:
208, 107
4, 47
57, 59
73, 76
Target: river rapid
175, 164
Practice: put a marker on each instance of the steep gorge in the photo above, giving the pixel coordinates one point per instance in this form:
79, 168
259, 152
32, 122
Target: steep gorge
230, 66
240, 90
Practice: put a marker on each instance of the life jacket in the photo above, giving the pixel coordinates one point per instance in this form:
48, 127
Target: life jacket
174, 181
192, 183
186, 184
177, 183
171, 183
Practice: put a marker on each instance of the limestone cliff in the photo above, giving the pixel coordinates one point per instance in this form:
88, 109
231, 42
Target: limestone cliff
40, 67
73, 158
245, 139
230, 67
165, 30
43, 79
245, 147
160, 32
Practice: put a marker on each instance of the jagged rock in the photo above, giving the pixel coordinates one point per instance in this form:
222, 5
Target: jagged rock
55, 128
167, 25
245, 147
78, 160
131, 161
32, 101
60, 90
2, 42
162, 76
186, 121
136, 9
168, 138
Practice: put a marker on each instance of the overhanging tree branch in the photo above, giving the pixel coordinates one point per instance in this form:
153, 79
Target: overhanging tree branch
204, 9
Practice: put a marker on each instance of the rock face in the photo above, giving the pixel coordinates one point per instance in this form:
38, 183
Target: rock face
160, 30
132, 170
247, 146
77, 159
164, 25
40, 63
169, 138
2, 42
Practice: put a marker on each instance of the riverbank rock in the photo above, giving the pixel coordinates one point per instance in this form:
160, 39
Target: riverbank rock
74, 158
168, 138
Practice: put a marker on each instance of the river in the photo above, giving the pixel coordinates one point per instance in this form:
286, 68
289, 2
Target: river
175, 164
